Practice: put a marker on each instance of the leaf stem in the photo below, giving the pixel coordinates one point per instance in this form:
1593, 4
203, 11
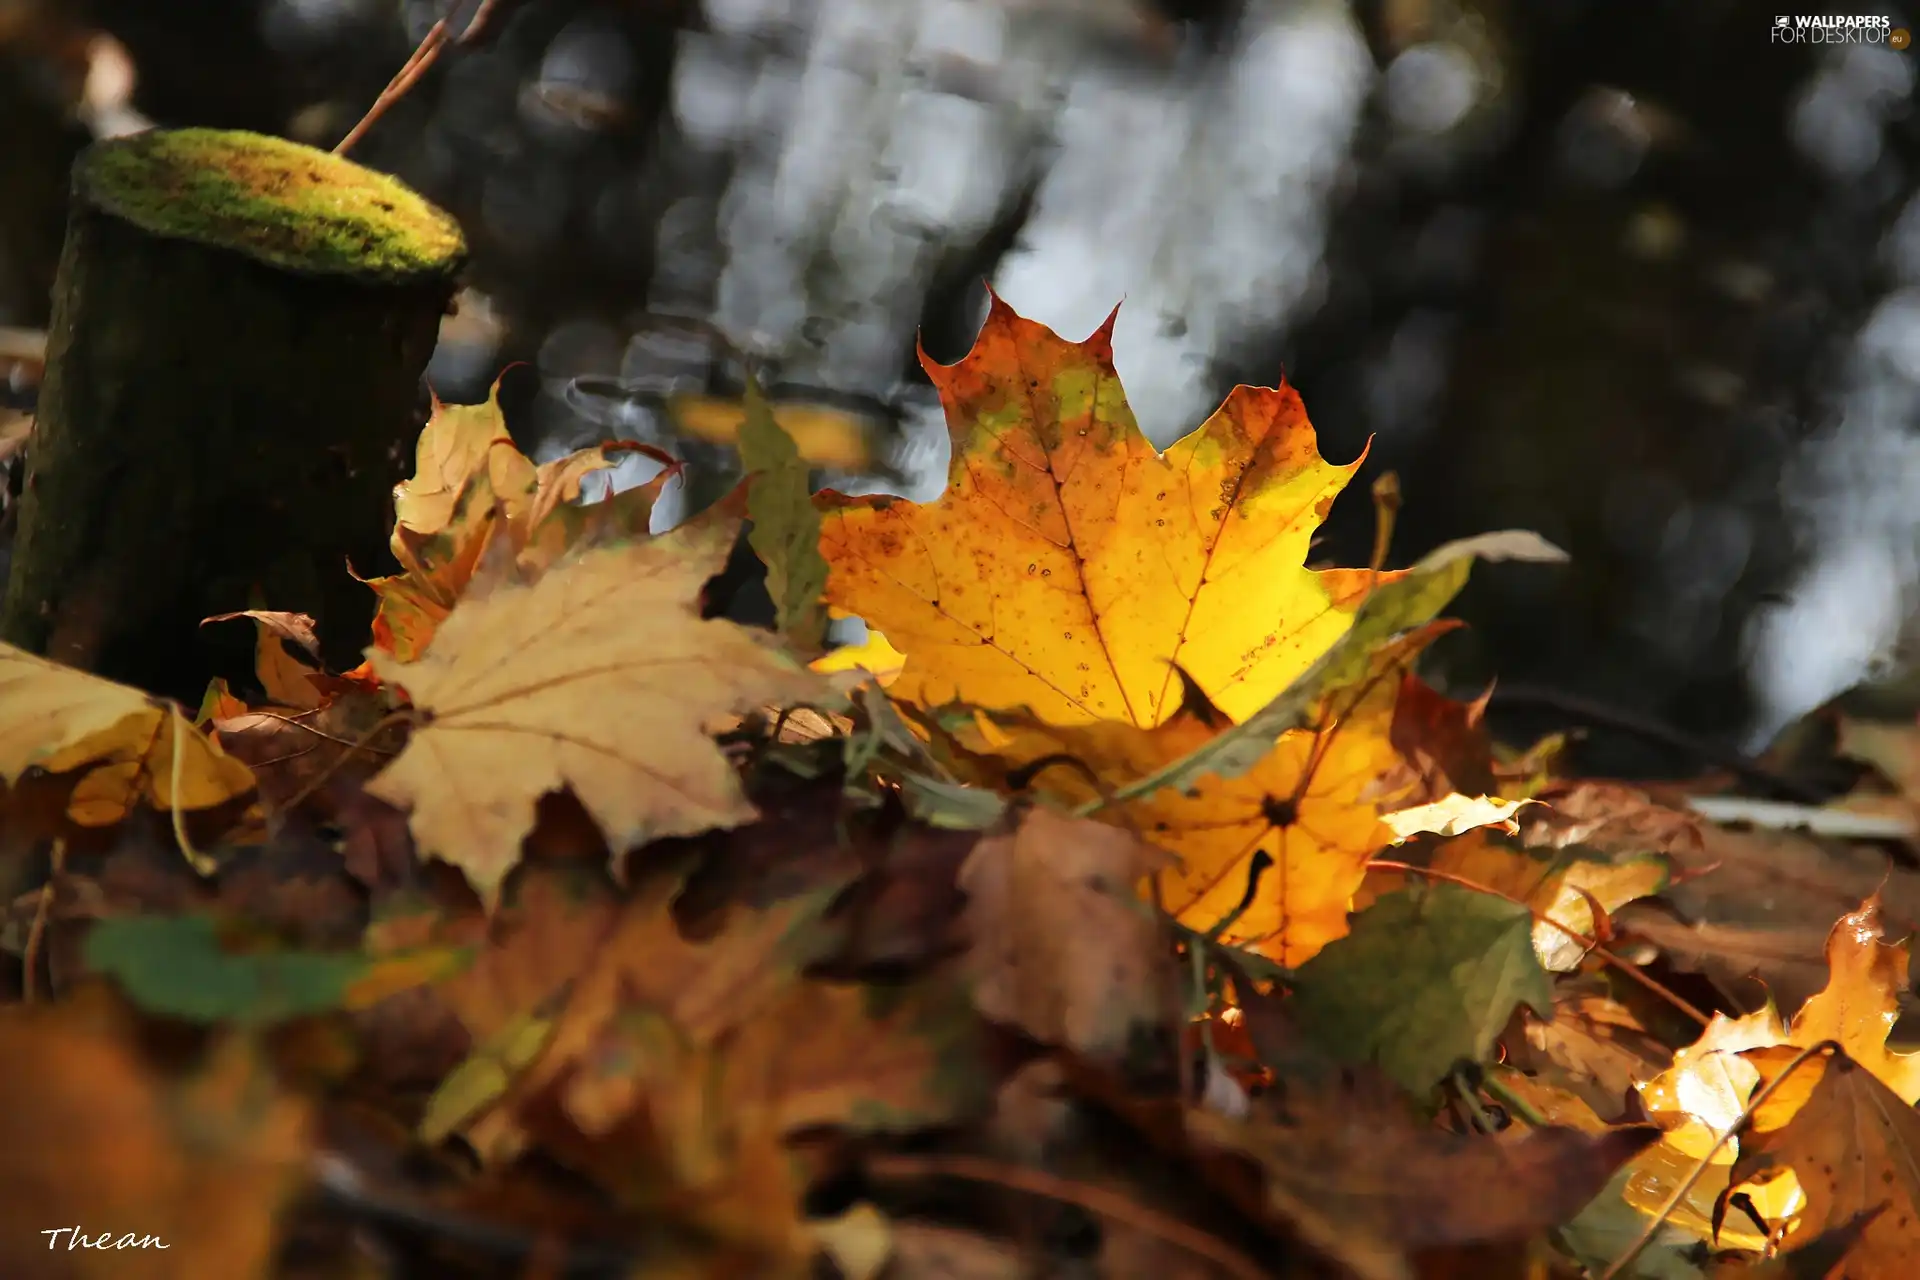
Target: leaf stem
1591, 946
200, 862
37, 931
1506, 1097
1621, 1263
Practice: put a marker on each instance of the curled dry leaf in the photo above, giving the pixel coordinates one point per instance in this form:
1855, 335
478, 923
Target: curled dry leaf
1063, 948
1611, 819
1453, 814
295, 628
600, 677
474, 494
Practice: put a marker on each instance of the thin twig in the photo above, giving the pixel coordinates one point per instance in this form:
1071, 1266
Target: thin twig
1108, 1204
334, 738
1588, 944
364, 743
409, 75
1621, 1263
36, 932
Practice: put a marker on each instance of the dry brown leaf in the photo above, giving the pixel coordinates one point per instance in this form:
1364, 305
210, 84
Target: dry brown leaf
1854, 1145
1598, 1048
1446, 743
1349, 1170
678, 1067
1062, 946
1610, 818
600, 677
287, 680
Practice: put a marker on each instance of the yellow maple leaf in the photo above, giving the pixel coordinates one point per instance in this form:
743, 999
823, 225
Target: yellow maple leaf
133, 747
1070, 565
599, 676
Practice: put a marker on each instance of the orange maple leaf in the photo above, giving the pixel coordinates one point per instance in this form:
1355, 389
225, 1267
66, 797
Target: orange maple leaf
1070, 565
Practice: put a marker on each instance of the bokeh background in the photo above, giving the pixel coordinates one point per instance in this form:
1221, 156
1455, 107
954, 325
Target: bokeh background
1635, 275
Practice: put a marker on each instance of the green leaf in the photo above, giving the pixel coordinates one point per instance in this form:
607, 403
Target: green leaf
785, 533
486, 1074
951, 806
1609, 1226
1412, 600
1427, 977
176, 966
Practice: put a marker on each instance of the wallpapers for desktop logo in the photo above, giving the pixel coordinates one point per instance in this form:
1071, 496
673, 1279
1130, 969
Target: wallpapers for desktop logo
1835, 28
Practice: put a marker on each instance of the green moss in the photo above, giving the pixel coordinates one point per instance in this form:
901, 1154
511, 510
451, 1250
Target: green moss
281, 203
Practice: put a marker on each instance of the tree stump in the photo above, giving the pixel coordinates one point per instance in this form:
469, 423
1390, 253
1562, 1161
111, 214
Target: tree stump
233, 388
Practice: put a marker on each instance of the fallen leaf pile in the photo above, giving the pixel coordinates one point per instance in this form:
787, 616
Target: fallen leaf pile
1126, 904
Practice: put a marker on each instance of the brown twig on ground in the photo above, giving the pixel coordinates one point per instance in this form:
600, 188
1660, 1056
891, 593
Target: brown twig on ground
409, 75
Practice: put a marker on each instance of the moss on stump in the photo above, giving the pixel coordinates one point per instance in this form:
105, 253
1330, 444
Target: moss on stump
239, 328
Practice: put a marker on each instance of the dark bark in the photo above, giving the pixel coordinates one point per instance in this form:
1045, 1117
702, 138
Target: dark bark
233, 386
